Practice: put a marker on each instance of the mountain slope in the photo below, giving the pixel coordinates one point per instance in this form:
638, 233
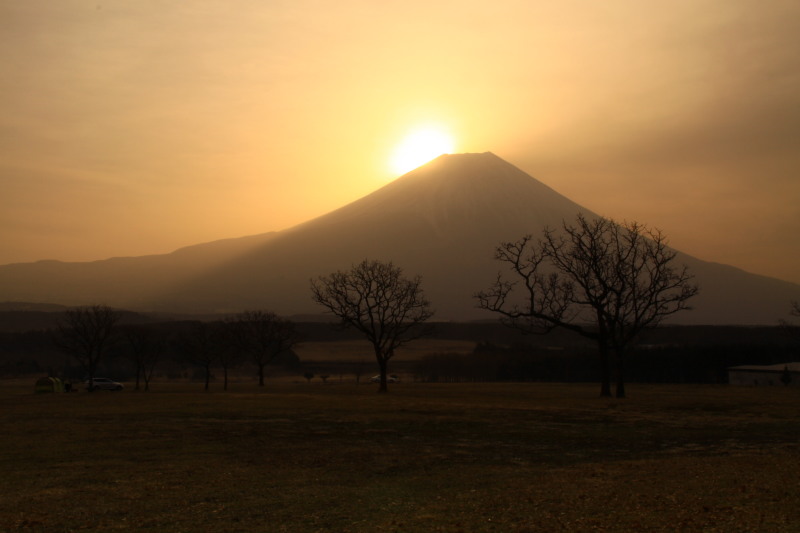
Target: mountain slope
441, 220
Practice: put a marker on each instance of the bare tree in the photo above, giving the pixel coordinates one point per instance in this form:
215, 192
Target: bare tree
87, 333
200, 346
603, 280
146, 347
228, 358
358, 370
789, 327
375, 299
263, 336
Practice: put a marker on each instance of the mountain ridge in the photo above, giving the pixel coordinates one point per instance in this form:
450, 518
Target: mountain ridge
442, 220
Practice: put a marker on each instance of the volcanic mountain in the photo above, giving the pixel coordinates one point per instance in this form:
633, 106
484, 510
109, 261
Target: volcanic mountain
442, 220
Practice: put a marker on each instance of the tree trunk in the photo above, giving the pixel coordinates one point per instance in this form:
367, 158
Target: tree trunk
208, 376
148, 375
260, 374
605, 372
225, 378
620, 372
382, 365
91, 370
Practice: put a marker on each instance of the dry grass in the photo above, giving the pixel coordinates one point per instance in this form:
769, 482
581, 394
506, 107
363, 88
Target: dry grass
426, 457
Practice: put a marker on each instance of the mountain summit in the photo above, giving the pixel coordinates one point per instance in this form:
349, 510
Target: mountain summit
441, 220
454, 198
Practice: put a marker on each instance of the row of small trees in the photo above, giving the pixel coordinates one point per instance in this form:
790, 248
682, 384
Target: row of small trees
603, 280
89, 333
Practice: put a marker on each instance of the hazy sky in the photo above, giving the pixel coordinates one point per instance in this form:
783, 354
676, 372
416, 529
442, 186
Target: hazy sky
133, 127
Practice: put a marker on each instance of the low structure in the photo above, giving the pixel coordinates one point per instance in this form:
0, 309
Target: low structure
780, 375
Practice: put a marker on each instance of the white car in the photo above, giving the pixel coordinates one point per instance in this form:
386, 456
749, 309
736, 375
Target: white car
389, 379
105, 384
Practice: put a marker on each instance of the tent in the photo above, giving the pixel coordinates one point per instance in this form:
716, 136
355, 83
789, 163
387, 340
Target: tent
49, 384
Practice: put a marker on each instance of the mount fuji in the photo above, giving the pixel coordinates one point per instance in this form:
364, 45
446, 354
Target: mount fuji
441, 220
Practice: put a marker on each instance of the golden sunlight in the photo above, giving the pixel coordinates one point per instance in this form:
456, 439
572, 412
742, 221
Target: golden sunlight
419, 147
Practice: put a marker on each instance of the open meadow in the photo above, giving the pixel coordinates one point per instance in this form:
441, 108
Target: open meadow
299, 457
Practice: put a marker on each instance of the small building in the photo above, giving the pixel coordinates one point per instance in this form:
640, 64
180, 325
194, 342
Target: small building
780, 375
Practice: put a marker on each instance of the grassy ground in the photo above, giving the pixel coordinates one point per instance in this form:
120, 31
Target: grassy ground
312, 457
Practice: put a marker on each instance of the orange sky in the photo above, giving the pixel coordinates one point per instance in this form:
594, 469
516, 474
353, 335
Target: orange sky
130, 128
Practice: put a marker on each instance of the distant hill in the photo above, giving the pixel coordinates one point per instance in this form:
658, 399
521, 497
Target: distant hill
30, 306
442, 220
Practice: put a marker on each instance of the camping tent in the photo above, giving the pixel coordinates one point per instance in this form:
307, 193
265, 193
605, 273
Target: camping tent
49, 384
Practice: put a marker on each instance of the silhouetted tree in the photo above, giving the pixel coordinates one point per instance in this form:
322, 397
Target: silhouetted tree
358, 370
87, 333
789, 327
146, 347
375, 299
603, 280
786, 376
200, 346
263, 336
309, 376
228, 357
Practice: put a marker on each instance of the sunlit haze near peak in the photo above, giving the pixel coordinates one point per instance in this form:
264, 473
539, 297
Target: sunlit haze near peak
134, 128
419, 147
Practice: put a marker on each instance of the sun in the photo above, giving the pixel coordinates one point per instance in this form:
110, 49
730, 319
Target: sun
419, 147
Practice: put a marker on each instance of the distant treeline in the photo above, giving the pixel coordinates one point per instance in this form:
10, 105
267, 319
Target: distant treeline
674, 354
675, 363
36, 352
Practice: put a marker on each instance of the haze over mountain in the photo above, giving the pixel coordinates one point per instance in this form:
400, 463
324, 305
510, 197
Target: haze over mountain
442, 220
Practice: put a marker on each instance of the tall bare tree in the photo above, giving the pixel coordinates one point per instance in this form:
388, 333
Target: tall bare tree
377, 300
200, 346
603, 280
146, 347
228, 357
789, 327
263, 336
87, 333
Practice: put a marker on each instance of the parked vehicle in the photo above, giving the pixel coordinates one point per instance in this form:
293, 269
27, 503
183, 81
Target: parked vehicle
389, 379
104, 384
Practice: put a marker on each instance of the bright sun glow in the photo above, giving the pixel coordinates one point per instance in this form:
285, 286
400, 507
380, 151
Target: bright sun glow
419, 147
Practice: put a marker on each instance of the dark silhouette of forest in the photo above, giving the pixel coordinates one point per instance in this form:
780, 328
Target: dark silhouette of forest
668, 354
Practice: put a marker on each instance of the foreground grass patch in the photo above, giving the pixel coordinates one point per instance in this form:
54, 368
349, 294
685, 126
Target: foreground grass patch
426, 457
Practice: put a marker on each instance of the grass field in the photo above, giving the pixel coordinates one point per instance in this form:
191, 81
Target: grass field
301, 457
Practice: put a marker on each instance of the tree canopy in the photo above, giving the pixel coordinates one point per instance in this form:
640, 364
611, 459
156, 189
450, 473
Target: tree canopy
376, 299
87, 333
603, 280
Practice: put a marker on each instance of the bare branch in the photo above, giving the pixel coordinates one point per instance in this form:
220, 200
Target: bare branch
603, 280
87, 333
377, 300
262, 335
